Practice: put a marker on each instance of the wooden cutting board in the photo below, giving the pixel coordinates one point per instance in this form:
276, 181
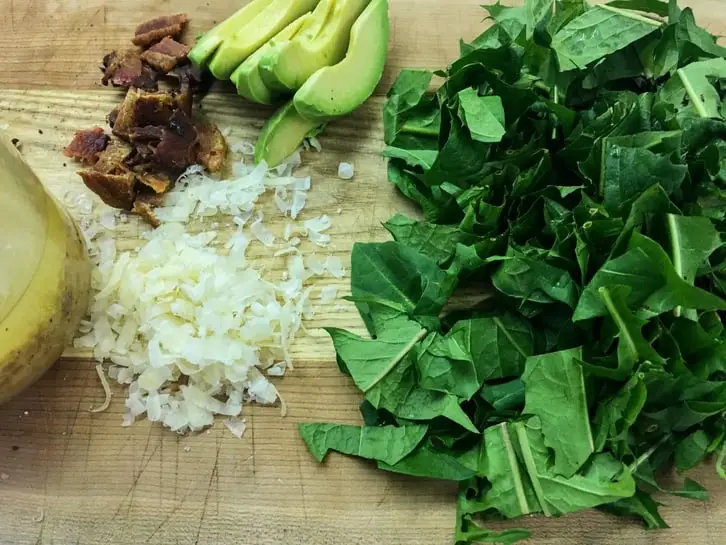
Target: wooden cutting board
71, 477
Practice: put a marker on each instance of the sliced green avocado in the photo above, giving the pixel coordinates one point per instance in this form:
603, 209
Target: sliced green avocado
247, 76
210, 41
337, 90
294, 63
282, 135
248, 39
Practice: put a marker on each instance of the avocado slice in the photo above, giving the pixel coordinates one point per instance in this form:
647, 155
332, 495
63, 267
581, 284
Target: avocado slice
271, 20
337, 90
293, 64
208, 43
247, 76
282, 135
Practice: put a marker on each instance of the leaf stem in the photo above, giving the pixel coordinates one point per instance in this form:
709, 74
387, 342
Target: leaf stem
411, 129
633, 15
695, 99
719, 462
402, 354
675, 237
622, 326
647, 454
516, 475
531, 467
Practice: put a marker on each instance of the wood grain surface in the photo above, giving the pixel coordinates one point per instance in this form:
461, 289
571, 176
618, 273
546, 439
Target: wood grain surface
71, 477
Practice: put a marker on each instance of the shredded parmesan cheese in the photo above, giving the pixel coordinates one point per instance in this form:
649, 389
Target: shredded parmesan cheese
187, 321
40, 517
346, 171
106, 391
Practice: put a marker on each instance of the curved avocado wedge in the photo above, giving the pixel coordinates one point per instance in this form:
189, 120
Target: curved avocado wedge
337, 90
282, 135
247, 76
248, 39
293, 64
210, 41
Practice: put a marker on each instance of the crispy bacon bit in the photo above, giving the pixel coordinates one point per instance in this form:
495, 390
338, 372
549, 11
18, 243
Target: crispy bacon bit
111, 118
127, 70
150, 133
116, 190
144, 206
158, 183
177, 149
155, 30
113, 158
190, 79
87, 145
212, 149
156, 137
142, 109
165, 55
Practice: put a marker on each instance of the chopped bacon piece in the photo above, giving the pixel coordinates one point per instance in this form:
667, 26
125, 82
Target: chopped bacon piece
150, 133
116, 190
144, 206
212, 149
111, 118
113, 159
190, 79
155, 30
177, 149
165, 55
141, 109
87, 145
127, 70
158, 183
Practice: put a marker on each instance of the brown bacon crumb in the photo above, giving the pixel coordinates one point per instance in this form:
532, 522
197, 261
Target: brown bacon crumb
165, 55
156, 137
212, 149
158, 183
144, 206
141, 109
87, 145
177, 149
157, 29
126, 70
116, 190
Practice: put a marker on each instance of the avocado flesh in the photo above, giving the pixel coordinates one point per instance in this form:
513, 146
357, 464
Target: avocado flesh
210, 41
293, 64
282, 135
247, 75
248, 39
337, 90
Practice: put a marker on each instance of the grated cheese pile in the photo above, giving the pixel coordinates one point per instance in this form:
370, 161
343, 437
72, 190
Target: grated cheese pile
189, 324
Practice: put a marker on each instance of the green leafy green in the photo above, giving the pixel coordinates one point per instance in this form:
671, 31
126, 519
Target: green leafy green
692, 450
639, 505
597, 33
553, 319
369, 360
555, 392
474, 351
388, 444
484, 115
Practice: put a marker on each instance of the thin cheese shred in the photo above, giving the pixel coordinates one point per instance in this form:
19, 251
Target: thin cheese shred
106, 390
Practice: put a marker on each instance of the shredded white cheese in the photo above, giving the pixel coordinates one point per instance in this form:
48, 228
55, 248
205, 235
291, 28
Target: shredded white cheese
189, 323
346, 171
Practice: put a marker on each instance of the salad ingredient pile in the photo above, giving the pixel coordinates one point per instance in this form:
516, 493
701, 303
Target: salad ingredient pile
156, 138
571, 171
325, 58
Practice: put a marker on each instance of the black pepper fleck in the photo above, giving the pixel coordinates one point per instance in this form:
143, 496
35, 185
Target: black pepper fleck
40, 131
15, 447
